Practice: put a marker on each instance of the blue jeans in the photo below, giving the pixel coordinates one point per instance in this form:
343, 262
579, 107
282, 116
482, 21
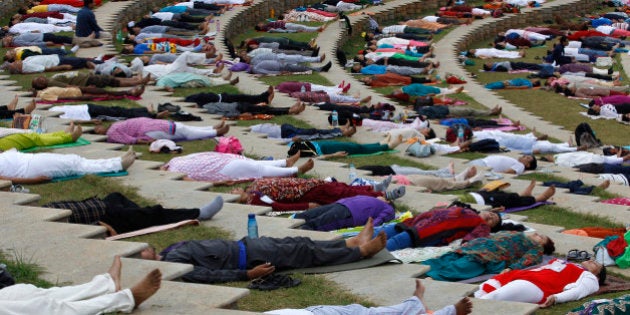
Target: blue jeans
395, 239
574, 186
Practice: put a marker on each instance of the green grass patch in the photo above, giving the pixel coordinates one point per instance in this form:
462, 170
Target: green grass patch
23, 269
555, 215
314, 290
283, 119
545, 177
301, 37
183, 92
382, 159
311, 78
165, 238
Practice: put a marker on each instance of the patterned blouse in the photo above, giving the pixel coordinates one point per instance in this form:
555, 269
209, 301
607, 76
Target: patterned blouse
284, 189
205, 166
515, 248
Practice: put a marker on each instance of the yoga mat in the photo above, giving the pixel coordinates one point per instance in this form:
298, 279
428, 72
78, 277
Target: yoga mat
375, 153
613, 284
106, 174
153, 229
532, 206
77, 143
382, 257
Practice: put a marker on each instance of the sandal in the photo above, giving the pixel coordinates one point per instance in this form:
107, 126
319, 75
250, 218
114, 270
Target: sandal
273, 282
572, 254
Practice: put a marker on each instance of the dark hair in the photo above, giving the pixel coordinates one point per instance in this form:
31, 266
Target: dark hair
87, 2
126, 50
592, 112
608, 151
508, 227
549, 247
498, 226
602, 275
486, 67
431, 134
625, 118
536, 83
259, 28
533, 164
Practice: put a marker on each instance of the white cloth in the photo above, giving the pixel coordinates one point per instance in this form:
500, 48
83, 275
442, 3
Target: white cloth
179, 65
496, 53
74, 112
500, 163
431, 18
95, 297
573, 159
606, 29
408, 170
394, 29
412, 305
525, 143
527, 34
185, 132
327, 89
271, 130
515, 291
257, 169
164, 16
39, 63
27, 27
52, 165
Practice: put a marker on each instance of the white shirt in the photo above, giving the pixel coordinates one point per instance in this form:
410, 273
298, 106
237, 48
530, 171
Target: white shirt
27, 27
35, 64
500, 163
606, 29
14, 163
189, 4
394, 29
74, 112
431, 18
164, 16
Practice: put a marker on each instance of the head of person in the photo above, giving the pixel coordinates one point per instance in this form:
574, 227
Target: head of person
564, 40
470, 52
428, 133
260, 27
149, 253
39, 82
536, 82
547, 244
625, 118
88, 4
15, 67
242, 194
367, 80
487, 66
7, 41
595, 268
492, 219
593, 110
127, 49
356, 68
101, 129
10, 55
529, 161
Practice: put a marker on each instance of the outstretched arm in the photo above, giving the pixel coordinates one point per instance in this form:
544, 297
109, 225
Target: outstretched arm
27, 181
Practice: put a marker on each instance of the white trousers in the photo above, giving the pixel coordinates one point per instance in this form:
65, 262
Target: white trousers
185, 132
62, 165
94, 297
271, 130
515, 291
258, 169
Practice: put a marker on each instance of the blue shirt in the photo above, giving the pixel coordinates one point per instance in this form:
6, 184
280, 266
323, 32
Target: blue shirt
86, 23
374, 69
175, 9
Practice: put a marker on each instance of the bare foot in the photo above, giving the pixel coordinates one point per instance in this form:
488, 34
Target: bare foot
322, 57
221, 124
363, 237
451, 168
459, 89
70, 128
292, 159
604, 185
76, 133
387, 139
472, 171
548, 193
463, 306
13, 104
146, 287
529, 189
30, 107
496, 110
234, 81
114, 272
222, 130
271, 92
297, 108
220, 68
366, 99
228, 76
137, 91
420, 289
374, 246
306, 166
128, 158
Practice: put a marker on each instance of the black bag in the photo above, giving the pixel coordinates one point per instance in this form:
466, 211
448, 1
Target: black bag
485, 145
422, 101
305, 147
584, 135
6, 279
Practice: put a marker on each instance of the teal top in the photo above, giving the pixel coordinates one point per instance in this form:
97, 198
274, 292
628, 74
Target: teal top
514, 248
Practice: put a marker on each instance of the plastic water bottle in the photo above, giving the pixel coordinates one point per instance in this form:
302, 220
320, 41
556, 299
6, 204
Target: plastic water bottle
252, 226
334, 120
352, 175
303, 88
460, 134
218, 26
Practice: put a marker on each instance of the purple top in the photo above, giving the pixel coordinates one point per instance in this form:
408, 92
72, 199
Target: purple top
364, 207
131, 130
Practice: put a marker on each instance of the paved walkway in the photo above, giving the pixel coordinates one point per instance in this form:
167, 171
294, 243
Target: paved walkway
71, 252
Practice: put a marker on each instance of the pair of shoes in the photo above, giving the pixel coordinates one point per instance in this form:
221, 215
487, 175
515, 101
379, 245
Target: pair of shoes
273, 281
578, 255
169, 107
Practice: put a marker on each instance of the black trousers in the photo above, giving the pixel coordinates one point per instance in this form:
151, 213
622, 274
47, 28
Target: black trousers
205, 98
123, 215
5, 113
254, 109
343, 108
116, 111
506, 199
298, 252
180, 24
57, 39
378, 170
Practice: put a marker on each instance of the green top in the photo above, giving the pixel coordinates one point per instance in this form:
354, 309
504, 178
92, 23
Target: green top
514, 248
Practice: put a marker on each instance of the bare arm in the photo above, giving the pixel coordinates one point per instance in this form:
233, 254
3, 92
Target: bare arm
27, 181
